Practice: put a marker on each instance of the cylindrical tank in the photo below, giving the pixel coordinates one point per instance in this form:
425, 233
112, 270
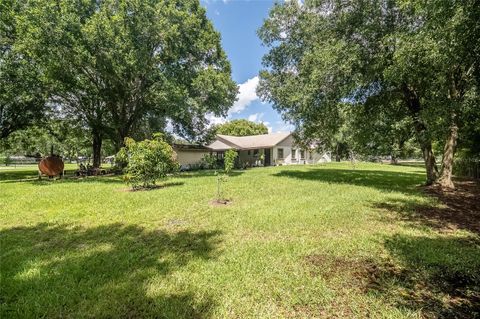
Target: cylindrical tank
51, 166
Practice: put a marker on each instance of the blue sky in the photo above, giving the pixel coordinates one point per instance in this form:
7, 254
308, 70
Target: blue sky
238, 21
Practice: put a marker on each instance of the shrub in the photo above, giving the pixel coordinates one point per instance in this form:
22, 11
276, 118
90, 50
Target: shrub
209, 161
230, 157
147, 161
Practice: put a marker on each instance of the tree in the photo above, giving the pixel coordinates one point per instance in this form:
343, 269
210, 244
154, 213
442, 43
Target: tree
147, 161
330, 55
241, 127
22, 96
229, 164
113, 63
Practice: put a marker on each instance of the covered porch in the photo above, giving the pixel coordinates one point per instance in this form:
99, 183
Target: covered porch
257, 157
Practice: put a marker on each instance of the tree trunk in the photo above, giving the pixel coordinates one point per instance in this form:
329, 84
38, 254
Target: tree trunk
97, 148
337, 154
393, 159
445, 179
413, 104
119, 138
430, 164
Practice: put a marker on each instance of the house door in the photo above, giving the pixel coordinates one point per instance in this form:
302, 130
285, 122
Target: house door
268, 160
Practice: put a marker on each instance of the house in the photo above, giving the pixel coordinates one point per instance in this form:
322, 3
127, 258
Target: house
267, 150
190, 156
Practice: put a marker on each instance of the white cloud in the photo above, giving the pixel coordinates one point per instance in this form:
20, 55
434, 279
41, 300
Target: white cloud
256, 117
267, 124
284, 127
213, 119
246, 95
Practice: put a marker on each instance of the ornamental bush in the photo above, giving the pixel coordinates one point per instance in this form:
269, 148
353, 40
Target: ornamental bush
147, 161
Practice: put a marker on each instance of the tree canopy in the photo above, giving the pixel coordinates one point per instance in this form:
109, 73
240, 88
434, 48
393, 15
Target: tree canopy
241, 127
114, 65
22, 95
397, 66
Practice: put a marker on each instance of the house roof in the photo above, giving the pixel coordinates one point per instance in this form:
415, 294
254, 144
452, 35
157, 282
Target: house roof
225, 142
189, 147
218, 145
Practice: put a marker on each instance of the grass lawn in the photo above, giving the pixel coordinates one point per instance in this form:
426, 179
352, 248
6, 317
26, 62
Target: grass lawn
297, 242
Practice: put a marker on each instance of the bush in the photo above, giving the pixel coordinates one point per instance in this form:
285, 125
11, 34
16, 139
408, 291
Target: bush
147, 161
209, 161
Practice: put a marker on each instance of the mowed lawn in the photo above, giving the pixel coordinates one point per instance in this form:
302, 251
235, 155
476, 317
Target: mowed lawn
297, 242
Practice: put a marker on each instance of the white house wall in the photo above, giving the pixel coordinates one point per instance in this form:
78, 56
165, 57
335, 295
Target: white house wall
188, 157
288, 145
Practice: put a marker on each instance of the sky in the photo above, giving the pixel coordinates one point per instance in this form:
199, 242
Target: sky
238, 22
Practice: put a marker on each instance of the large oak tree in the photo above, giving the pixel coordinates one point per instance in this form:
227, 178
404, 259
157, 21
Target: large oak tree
326, 55
112, 63
22, 95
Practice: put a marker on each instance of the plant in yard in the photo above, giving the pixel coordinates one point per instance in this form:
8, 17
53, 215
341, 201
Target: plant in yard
209, 161
230, 157
229, 163
147, 161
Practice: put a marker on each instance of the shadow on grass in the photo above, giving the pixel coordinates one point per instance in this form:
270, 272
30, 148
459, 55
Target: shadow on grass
382, 180
154, 187
32, 177
439, 277
105, 271
459, 209
105, 179
206, 173
434, 277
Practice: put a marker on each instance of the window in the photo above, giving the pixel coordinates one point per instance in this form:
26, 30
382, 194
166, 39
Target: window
248, 152
302, 154
294, 154
255, 152
280, 153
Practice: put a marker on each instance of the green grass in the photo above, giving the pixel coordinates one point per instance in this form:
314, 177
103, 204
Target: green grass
297, 242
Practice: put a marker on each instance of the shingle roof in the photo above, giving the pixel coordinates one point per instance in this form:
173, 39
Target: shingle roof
225, 142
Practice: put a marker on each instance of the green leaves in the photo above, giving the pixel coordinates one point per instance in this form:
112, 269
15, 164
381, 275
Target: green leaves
147, 161
241, 127
230, 156
391, 65
115, 63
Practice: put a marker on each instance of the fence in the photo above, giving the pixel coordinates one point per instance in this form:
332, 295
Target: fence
18, 160
468, 167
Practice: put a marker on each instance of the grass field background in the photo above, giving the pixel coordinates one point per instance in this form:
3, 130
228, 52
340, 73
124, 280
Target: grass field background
296, 242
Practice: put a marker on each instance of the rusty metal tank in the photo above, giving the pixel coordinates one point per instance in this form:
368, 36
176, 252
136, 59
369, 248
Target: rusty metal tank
51, 166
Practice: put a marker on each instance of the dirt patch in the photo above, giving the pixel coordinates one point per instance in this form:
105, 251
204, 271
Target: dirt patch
462, 206
220, 202
149, 188
363, 274
457, 209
